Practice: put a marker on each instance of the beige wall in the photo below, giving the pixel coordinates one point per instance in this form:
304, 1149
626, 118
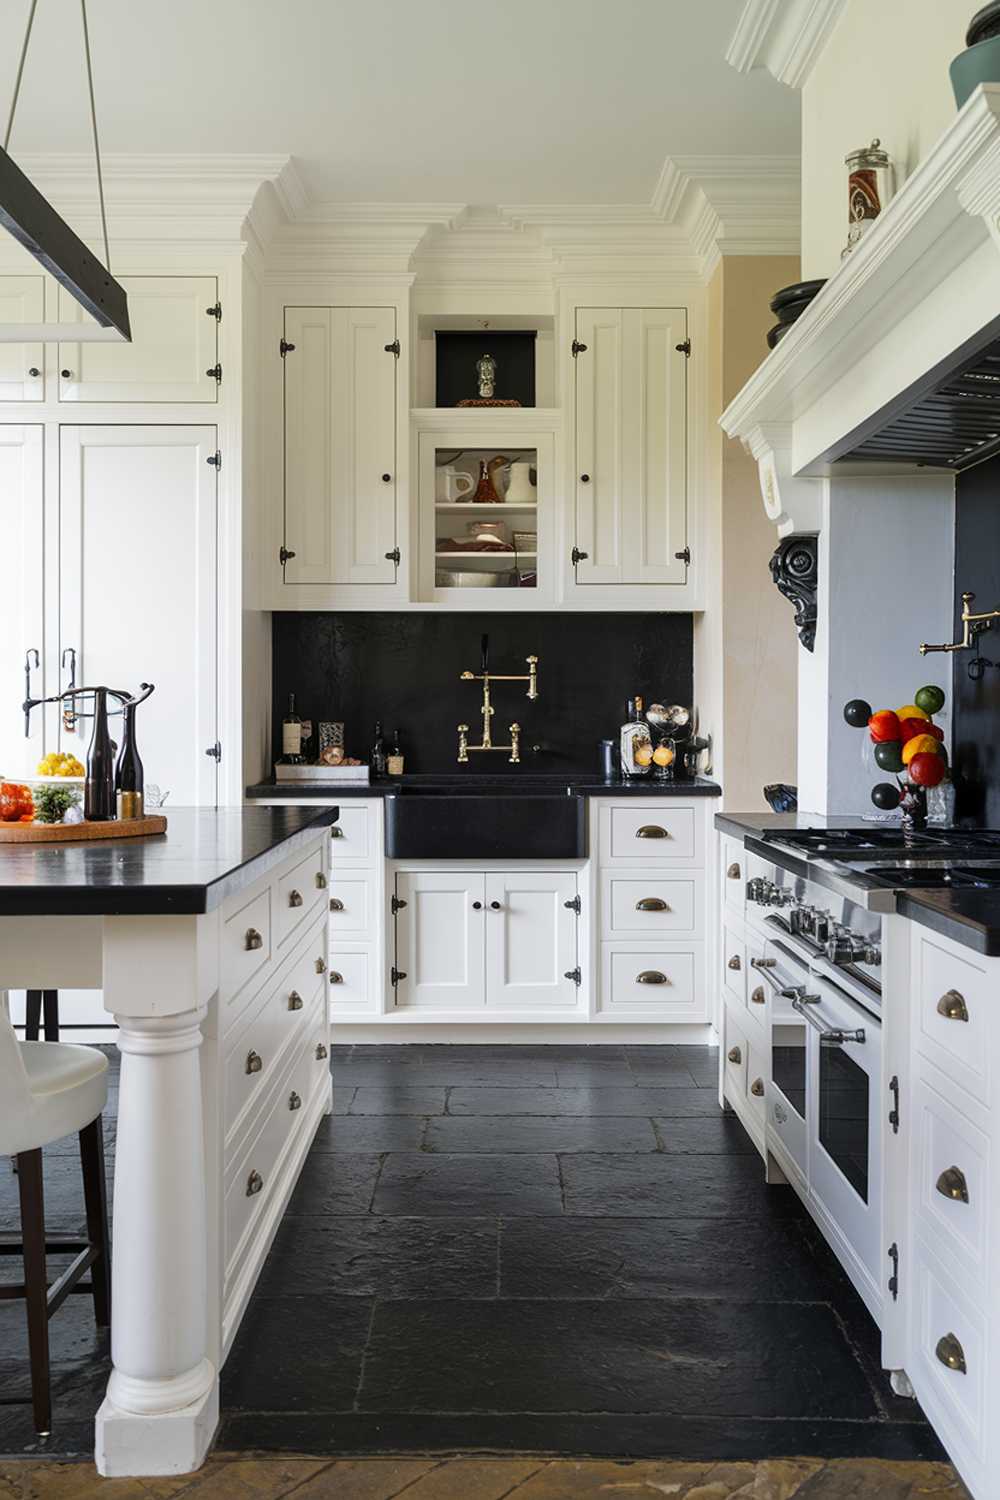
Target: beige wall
759, 645
884, 72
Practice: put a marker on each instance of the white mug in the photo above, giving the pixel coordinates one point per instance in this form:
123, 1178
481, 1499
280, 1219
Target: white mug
454, 484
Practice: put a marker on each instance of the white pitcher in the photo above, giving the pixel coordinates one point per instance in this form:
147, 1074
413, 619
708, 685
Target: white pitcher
520, 490
454, 484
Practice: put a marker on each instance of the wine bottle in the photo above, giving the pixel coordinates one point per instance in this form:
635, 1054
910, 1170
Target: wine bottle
378, 756
129, 778
291, 735
634, 737
99, 788
394, 761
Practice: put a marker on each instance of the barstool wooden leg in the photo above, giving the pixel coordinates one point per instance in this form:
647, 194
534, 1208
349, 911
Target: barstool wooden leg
32, 1015
50, 1014
29, 1180
96, 1200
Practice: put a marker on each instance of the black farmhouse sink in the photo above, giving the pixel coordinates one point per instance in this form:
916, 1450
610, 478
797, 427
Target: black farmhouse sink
432, 823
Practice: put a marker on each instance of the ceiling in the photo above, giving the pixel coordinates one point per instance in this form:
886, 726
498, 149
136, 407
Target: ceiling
390, 101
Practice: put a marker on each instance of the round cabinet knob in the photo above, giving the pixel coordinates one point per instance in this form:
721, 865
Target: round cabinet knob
386, 478
336, 904
757, 1088
295, 1001
254, 1184
252, 940
584, 478
735, 1055
477, 906
294, 1102
66, 374
320, 1051
34, 372
494, 906
254, 1062
294, 898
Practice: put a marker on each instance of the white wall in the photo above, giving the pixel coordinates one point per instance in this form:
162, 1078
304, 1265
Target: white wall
884, 72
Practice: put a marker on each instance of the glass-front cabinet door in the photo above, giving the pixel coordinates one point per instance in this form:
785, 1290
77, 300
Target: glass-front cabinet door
486, 518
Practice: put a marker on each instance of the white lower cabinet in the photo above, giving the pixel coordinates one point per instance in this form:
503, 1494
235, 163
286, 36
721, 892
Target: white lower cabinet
22, 640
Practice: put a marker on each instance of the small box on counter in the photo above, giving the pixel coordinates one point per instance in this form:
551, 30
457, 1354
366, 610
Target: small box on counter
319, 773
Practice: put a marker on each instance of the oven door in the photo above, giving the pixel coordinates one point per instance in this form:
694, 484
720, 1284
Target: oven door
785, 974
845, 1127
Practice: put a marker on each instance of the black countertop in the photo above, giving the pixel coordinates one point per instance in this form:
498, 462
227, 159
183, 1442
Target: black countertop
204, 856
531, 784
741, 824
971, 918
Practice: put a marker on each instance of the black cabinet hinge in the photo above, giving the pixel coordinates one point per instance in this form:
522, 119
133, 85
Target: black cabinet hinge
577, 348
575, 974
684, 348
575, 905
393, 556
893, 1284
684, 556
215, 312
215, 751
576, 556
215, 459
284, 347
284, 554
396, 975
397, 904
216, 373
894, 1111
393, 348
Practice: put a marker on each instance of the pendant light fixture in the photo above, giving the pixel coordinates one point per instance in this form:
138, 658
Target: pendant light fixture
34, 223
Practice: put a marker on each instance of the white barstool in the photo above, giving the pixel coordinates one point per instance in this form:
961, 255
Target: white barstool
49, 1090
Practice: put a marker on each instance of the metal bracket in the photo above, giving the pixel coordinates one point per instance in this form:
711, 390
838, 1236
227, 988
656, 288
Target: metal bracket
216, 373
215, 459
396, 904
575, 974
684, 348
393, 348
396, 975
575, 905
894, 1112
215, 312
684, 556
893, 1284
576, 556
284, 347
577, 348
393, 556
284, 554
215, 751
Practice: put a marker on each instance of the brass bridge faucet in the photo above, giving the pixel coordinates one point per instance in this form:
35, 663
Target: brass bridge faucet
486, 677
972, 625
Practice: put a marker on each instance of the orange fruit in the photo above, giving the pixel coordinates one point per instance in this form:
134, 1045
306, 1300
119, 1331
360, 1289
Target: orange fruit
663, 755
920, 744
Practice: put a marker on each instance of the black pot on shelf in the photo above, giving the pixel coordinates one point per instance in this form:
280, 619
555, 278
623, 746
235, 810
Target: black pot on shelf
984, 24
788, 304
980, 62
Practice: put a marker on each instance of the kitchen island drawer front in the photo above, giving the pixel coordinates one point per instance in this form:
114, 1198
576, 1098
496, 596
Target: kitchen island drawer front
651, 832
947, 1334
299, 891
734, 874
351, 982
954, 1004
734, 964
655, 983
354, 836
246, 946
953, 1180
350, 906
736, 1057
640, 905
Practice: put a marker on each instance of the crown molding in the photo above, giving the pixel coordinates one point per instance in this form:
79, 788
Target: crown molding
784, 36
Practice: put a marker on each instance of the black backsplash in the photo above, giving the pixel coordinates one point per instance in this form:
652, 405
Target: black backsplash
403, 669
977, 704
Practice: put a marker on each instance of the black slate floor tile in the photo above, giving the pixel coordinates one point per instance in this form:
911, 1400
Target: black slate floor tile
685, 1358
471, 1073
353, 1134
593, 1101
735, 1260
520, 1133
292, 1354
594, 1072
371, 1256
716, 1135
333, 1184
673, 1187
62, 1186
424, 1184
74, 1338
401, 1100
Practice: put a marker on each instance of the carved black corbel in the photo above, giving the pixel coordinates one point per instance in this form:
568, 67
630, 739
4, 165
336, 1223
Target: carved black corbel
795, 570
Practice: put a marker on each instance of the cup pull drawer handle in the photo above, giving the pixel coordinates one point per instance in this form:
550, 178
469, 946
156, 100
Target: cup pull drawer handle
336, 904
757, 996
734, 963
336, 833
320, 1051
252, 940
951, 1354
952, 1184
651, 903
734, 1055
320, 881
335, 977
254, 1184
651, 831
651, 976
295, 1001
294, 1102
757, 1088
254, 1062
294, 898
952, 1006
321, 966
733, 873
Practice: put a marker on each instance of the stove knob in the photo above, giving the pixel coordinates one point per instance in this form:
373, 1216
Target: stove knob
800, 919
755, 890
821, 925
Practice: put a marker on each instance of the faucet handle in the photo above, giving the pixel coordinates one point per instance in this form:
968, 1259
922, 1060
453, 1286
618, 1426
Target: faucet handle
515, 744
463, 744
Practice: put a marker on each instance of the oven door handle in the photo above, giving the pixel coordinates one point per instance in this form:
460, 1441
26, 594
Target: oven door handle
764, 967
833, 1038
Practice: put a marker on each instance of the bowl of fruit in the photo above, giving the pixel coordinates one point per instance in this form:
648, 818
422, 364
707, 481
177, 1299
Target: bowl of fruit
910, 746
58, 766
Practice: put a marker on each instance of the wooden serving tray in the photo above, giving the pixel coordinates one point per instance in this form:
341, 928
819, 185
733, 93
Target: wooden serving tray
68, 833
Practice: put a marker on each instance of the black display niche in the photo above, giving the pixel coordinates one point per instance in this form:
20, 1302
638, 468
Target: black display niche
976, 699
404, 669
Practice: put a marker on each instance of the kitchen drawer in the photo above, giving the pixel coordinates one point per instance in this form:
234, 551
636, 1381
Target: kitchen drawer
674, 991
954, 1006
350, 906
298, 891
734, 964
651, 833
354, 837
950, 1151
736, 1055
953, 1400
246, 945
352, 974
734, 875
635, 904
757, 1074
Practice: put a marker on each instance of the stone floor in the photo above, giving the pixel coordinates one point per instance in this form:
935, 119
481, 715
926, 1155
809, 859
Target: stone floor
496, 1479
549, 1250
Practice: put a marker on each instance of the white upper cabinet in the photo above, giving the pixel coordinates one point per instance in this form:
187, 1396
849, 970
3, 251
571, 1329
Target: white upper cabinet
173, 355
138, 596
21, 523
22, 300
340, 445
631, 412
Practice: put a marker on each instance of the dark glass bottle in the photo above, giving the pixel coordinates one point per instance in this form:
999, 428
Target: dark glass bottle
129, 777
291, 735
378, 752
99, 789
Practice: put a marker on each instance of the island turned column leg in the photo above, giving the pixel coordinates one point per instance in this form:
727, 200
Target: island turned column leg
162, 1404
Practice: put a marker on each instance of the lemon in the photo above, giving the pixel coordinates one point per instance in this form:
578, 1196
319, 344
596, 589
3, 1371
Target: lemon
643, 755
663, 755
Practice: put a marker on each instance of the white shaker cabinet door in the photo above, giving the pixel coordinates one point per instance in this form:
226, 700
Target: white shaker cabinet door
173, 353
440, 937
340, 445
21, 599
138, 590
22, 300
531, 940
600, 445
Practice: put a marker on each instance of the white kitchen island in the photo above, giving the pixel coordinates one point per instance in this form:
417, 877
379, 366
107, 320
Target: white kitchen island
210, 945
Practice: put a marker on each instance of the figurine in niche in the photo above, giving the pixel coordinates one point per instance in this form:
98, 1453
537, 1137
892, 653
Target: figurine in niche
486, 371
487, 492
